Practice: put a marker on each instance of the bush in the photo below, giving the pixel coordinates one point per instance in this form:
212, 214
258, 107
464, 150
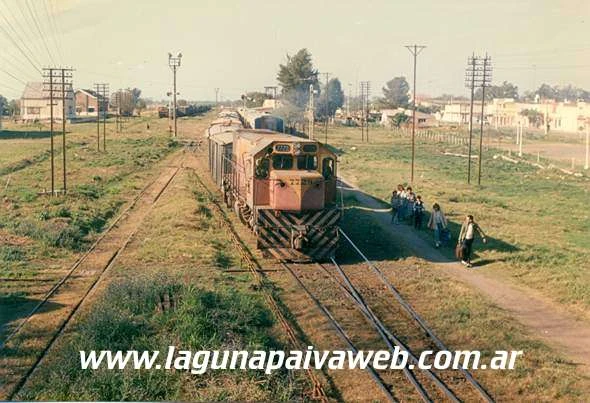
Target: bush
11, 254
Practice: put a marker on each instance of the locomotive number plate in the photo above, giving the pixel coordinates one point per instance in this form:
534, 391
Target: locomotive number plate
304, 182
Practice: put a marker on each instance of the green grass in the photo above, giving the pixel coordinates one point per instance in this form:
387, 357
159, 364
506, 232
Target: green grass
538, 220
463, 319
56, 229
131, 315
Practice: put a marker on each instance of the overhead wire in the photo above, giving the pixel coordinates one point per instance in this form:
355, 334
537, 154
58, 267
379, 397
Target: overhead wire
35, 20
50, 24
12, 75
30, 32
31, 55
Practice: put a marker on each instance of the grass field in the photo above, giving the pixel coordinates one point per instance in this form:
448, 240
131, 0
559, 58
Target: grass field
170, 288
43, 235
459, 315
537, 220
172, 284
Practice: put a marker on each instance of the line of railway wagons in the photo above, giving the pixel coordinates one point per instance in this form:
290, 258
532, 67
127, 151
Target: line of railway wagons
283, 187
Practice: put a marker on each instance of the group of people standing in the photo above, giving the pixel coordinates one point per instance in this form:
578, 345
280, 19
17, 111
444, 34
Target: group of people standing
407, 206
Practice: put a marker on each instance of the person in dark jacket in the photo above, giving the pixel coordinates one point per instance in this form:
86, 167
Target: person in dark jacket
418, 212
467, 236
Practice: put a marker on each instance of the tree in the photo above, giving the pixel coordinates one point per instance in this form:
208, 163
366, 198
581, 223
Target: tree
399, 119
255, 99
331, 100
505, 90
534, 117
296, 76
3, 105
125, 100
546, 91
396, 92
140, 106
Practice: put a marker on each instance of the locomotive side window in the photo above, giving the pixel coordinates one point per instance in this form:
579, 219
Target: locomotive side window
307, 162
261, 170
328, 168
282, 161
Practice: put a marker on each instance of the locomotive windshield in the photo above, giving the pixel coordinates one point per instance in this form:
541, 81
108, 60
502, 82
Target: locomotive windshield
282, 161
307, 162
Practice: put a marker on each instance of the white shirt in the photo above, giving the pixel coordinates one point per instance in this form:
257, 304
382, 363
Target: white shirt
469, 233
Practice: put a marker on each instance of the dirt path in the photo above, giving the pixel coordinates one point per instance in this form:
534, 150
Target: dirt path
543, 318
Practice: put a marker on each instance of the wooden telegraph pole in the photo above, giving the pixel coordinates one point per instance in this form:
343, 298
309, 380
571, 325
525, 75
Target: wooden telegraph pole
415, 51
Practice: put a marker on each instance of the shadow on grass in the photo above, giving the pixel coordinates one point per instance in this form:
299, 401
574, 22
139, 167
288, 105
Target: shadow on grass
25, 134
16, 307
367, 221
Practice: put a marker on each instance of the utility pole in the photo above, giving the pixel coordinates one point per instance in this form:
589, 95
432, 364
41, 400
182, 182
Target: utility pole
102, 98
216, 97
586, 163
520, 138
362, 117
486, 80
470, 77
48, 73
63, 119
415, 51
174, 63
311, 111
365, 91
327, 107
348, 101
59, 84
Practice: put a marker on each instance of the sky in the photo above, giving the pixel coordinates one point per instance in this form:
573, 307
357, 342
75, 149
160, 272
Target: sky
237, 46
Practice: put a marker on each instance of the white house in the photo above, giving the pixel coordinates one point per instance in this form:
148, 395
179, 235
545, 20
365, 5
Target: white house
35, 104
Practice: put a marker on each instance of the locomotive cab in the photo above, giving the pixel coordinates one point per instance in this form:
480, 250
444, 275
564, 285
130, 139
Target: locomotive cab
295, 176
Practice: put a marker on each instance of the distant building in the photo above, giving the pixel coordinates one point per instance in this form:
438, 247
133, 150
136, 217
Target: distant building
35, 104
87, 102
570, 117
422, 119
272, 104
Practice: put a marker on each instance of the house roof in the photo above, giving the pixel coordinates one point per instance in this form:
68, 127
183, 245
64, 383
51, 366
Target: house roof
90, 93
33, 90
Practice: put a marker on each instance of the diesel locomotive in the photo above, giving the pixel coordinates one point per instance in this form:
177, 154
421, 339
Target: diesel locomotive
282, 187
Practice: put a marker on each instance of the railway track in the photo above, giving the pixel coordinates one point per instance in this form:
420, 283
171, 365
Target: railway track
42, 328
265, 286
354, 296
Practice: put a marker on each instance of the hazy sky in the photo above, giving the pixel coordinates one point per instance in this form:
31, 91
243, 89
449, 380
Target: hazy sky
238, 45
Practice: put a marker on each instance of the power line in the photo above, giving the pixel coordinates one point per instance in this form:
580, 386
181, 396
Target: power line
11, 39
29, 24
13, 76
58, 26
17, 68
39, 31
50, 23
16, 34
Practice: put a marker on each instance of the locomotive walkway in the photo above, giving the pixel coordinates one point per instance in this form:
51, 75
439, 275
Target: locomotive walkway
543, 319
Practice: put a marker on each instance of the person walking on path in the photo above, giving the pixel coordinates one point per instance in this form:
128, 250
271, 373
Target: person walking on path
467, 236
418, 212
395, 207
401, 193
410, 200
437, 223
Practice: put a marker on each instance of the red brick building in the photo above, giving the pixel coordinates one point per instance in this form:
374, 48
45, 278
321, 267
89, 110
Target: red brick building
86, 102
